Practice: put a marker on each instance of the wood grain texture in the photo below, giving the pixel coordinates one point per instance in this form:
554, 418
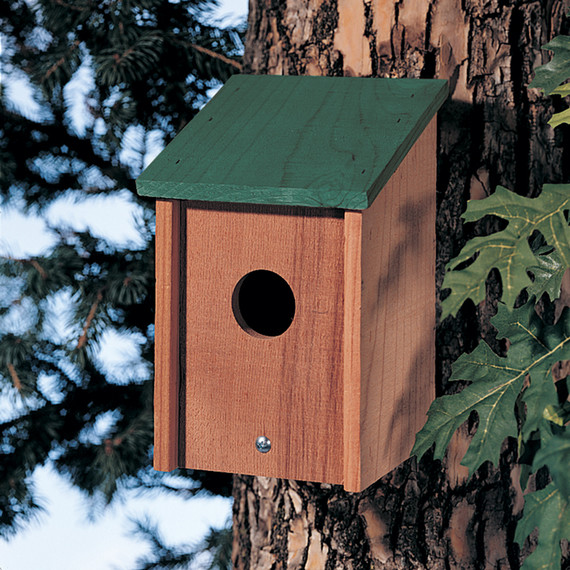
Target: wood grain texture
166, 346
352, 349
289, 387
307, 141
397, 312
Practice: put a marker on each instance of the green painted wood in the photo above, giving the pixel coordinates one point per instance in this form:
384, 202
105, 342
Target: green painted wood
307, 141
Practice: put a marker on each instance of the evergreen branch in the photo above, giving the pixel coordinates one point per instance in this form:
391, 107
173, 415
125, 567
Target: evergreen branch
133, 63
54, 67
87, 7
15, 378
32, 436
111, 443
215, 55
87, 403
209, 52
38, 268
178, 491
33, 262
83, 338
82, 148
161, 556
97, 190
120, 58
46, 153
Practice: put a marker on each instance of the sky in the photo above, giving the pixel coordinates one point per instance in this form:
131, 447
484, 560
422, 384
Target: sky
69, 535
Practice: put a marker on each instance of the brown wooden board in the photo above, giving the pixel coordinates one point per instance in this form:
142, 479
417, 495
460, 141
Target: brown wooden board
166, 386
288, 387
396, 381
351, 348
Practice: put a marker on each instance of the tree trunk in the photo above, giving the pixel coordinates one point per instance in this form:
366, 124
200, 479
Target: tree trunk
492, 130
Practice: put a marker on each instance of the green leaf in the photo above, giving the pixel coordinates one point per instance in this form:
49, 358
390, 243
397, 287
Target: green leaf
548, 272
551, 414
555, 454
548, 510
538, 397
563, 90
496, 383
509, 250
560, 118
549, 76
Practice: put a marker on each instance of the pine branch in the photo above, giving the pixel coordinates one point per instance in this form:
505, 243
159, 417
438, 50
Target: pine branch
214, 55
162, 556
54, 67
38, 268
14, 375
33, 262
56, 137
87, 7
186, 493
83, 338
111, 443
44, 158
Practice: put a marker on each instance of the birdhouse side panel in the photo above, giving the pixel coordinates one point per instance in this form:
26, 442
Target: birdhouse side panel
391, 296
398, 310
244, 381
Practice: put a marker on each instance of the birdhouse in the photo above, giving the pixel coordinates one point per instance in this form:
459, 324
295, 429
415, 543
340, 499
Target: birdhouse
295, 289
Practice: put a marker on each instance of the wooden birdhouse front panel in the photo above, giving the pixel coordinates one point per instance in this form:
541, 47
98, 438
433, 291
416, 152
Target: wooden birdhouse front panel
244, 377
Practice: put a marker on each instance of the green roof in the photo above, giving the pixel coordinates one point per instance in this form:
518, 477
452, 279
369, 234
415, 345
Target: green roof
328, 142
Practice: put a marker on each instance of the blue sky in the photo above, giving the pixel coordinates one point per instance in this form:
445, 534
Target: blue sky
69, 535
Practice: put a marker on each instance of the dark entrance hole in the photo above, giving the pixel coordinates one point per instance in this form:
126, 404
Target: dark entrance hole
263, 303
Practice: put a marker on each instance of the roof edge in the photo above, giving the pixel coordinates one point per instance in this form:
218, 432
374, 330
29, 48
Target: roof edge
307, 197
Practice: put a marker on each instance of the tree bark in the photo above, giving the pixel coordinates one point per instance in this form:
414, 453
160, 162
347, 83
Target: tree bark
492, 130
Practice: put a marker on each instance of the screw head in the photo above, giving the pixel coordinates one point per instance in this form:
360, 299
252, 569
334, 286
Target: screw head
262, 444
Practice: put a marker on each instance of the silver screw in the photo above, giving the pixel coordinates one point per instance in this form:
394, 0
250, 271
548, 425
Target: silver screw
262, 444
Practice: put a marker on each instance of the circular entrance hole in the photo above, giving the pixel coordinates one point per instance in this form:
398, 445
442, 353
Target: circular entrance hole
263, 303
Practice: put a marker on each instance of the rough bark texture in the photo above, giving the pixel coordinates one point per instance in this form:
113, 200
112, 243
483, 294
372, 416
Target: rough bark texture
492, 131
